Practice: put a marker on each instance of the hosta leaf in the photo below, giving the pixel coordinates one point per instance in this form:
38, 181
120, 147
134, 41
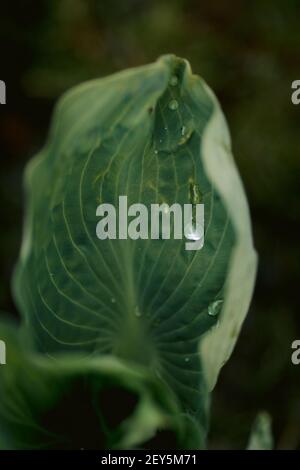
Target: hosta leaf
79, 403
146, 133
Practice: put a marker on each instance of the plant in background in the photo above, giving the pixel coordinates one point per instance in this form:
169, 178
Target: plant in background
121, 341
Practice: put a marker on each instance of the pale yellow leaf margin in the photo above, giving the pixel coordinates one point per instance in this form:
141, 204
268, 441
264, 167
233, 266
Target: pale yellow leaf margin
218, 344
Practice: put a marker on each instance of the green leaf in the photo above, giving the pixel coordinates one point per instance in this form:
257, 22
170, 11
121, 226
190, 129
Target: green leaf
147, 133
75, 402
261, 435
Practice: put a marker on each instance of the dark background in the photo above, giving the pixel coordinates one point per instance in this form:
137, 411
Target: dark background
249, 53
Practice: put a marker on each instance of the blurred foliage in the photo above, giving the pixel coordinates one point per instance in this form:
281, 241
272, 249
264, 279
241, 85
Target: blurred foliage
249, 54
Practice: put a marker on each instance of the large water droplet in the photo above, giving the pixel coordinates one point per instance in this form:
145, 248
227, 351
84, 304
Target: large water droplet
174, 80
187, 359
173, 105
214, 308
194, 232
113, 300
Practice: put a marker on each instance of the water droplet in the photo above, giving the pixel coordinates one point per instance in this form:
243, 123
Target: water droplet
194, 232
113, 300
166, 128
214, 308
186, 134
156, 152
174, 80
137, 312
173, 105
187, 359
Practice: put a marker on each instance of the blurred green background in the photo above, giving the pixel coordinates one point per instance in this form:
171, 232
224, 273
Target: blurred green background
249, 54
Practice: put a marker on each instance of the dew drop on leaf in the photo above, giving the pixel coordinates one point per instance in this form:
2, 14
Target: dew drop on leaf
186, 133
214, 308
173, 105
194, 232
